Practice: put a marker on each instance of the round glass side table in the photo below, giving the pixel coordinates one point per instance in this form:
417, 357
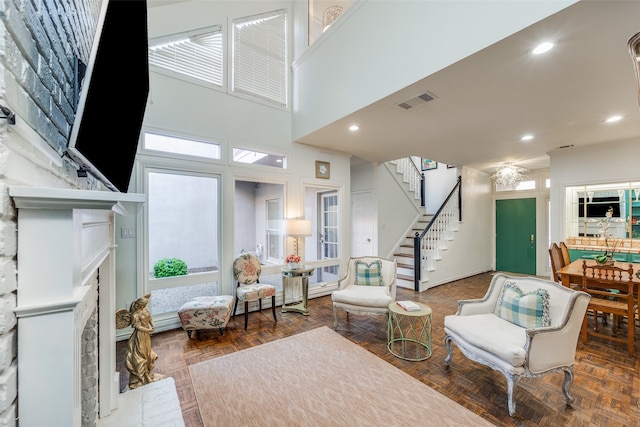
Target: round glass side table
409, 332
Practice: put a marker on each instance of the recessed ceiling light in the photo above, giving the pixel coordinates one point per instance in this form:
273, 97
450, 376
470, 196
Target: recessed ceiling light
614, 119
354, 128
542, 48
526, 138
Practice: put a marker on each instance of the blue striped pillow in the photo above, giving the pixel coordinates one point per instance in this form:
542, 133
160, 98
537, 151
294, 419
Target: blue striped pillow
530, 310
369, 274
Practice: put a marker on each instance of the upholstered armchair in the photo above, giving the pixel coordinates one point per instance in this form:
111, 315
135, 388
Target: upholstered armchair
368, 287
246, 272
524, 327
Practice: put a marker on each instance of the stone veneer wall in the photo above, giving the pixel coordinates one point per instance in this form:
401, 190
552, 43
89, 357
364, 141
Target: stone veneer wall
38, 42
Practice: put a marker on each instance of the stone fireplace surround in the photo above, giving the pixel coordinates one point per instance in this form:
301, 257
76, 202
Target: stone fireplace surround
64, 237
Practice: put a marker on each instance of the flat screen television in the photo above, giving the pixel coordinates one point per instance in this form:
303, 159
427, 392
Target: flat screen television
113, 95
599, 206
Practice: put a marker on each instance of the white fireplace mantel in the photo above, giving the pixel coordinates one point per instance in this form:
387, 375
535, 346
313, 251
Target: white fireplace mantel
64, 237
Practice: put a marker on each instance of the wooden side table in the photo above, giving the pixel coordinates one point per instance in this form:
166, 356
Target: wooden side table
409, 332
303, 273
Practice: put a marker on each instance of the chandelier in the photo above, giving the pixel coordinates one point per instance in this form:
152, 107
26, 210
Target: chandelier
509, 175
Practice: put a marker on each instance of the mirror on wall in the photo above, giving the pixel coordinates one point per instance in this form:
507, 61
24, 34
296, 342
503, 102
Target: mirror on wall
588, 206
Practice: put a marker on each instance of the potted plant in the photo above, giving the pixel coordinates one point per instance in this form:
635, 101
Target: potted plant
169, 267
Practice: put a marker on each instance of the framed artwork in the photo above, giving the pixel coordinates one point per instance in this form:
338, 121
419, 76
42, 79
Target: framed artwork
323, 169
429, 164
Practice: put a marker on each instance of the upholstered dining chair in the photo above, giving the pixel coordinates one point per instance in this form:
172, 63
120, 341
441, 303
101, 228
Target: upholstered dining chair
612, 291
367, 287
246, 272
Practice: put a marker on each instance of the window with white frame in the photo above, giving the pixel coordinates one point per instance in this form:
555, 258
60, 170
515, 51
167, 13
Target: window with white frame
260, 57
243, 155
195, 54
520, 186
175, 145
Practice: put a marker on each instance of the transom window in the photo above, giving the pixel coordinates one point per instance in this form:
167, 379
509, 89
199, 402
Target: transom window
189, 147
242, 155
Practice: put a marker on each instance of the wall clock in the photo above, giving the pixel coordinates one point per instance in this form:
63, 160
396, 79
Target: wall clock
322, 169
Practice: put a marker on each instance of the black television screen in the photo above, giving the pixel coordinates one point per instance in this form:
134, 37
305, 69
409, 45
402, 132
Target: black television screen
599, 206
113, 96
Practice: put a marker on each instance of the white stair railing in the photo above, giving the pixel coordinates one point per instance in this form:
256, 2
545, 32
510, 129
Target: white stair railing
429, 244
410, 175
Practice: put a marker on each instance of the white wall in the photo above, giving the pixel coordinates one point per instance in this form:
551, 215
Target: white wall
611, 162
349, 66
397, 212
438, 183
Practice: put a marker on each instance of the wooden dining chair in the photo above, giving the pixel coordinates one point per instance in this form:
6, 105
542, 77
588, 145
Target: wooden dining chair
565, 253
557, 261
612, 291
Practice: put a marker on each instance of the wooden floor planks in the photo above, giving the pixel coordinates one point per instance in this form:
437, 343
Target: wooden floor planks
606, 387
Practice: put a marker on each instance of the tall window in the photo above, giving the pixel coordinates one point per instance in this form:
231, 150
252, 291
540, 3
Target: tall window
195, 54
182, 224
260, 57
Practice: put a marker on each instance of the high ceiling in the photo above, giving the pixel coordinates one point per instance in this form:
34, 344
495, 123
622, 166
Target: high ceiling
486, 102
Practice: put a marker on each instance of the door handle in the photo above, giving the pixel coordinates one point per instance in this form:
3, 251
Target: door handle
532, 238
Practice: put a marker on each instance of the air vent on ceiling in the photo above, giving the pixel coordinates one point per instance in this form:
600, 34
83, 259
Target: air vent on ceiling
565, 146
416, 100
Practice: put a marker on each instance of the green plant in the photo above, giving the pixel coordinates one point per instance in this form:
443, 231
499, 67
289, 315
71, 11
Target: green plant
168, 267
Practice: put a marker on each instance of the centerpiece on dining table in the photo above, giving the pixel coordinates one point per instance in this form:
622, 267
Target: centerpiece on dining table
610, 243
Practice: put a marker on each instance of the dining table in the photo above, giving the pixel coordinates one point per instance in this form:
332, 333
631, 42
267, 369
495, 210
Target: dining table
572, 273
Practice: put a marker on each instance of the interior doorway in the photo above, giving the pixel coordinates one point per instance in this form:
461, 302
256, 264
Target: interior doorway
516, 235
363, 224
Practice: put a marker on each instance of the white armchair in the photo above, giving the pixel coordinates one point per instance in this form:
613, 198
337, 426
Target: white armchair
523, 327
368, 287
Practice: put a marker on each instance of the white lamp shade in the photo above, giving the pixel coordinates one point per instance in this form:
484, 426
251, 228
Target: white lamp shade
297, 227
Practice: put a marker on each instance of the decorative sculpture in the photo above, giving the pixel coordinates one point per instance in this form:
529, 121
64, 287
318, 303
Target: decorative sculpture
140, 359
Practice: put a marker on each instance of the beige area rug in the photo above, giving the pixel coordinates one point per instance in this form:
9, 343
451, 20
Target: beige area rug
318, 378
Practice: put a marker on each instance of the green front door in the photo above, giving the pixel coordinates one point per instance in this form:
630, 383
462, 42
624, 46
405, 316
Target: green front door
516, 236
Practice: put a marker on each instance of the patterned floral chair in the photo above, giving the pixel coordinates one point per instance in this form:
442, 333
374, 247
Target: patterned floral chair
212, 312
246, 272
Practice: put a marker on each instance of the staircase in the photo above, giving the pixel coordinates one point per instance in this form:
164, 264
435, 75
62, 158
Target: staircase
405, 254
439, 227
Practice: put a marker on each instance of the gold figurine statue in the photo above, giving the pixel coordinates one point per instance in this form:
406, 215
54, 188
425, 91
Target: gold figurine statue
140, 358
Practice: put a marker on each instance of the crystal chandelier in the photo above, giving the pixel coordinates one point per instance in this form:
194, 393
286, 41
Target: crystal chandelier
509, 175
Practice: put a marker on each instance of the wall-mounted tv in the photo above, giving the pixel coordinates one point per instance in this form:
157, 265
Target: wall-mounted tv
599, 206
113, 96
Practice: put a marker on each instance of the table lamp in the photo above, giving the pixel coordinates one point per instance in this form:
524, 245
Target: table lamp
297, 228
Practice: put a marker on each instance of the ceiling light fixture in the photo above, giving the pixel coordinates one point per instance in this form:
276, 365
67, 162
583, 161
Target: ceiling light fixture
542, 48
613, 119
354, 128
528, 137
509, 175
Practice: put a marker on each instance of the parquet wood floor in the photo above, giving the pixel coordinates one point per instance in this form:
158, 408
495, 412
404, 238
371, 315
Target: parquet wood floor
606, 387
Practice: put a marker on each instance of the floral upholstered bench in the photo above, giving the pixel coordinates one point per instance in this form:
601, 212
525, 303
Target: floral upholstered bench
206, 313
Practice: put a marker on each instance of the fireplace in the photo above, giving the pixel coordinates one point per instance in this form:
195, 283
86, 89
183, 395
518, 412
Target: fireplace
66, 303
